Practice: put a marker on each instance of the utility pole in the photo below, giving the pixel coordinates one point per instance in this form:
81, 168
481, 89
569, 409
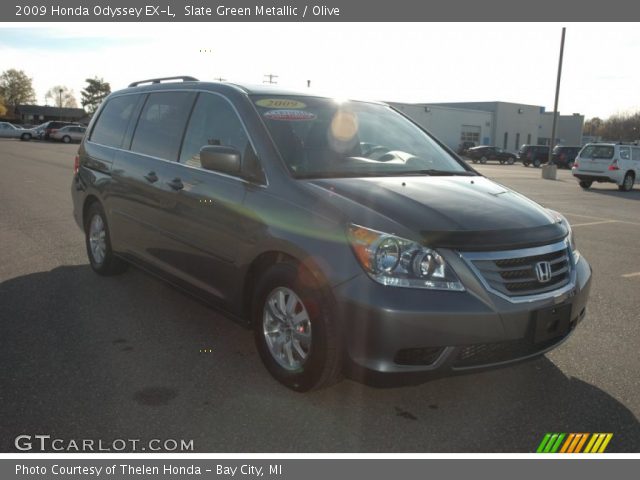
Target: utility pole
308, 83
270, 77
555, 105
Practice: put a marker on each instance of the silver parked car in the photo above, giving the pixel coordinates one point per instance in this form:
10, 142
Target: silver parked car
9, 130
71, 133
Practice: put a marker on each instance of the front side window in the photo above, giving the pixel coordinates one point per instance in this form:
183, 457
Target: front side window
113, 121
213, 122
161, 124
320, 137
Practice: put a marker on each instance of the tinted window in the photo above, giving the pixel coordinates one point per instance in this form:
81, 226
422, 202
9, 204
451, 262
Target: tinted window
213, 122
161, 124
635, 153
113, 120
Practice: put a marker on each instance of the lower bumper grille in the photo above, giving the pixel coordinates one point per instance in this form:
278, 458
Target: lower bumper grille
489, 353
418, 356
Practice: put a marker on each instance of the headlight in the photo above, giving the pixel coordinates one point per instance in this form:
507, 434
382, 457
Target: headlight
572, 240
398, 262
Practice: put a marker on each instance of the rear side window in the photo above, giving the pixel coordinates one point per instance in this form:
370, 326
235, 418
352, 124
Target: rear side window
161, 124
625, 153
213, 122
635, 154
113, 121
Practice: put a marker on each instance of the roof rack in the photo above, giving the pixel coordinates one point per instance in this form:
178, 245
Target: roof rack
184, 78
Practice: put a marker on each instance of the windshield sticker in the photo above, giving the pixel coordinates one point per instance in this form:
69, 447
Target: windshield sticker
289, 115
280, 103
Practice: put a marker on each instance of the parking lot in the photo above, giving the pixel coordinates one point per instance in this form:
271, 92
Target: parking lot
85, 356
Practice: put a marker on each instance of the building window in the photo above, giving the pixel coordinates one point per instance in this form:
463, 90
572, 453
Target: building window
529, 139
470, 133
506, 139
517, 141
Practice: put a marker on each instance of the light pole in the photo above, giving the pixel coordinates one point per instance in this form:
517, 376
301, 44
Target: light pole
60, 103
555, 104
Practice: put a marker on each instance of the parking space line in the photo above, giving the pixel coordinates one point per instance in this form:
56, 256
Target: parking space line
593, 223
629, 275
600, 218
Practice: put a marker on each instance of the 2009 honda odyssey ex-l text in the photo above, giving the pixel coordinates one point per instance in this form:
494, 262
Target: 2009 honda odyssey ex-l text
350, 239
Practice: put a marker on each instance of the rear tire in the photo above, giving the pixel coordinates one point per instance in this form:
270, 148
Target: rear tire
536, 163
98, 243
627, 183
66, 139
474, 160
25, 137
483, 160
511, 161
295, 329
585, 184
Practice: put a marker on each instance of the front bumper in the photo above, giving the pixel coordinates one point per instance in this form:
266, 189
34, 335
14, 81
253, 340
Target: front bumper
391, 330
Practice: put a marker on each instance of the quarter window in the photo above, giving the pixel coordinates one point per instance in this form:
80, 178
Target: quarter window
625, 154
213, 122
113, 121
161, 124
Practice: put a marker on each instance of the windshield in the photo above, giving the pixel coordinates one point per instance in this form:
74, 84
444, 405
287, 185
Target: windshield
597, 151
319, 137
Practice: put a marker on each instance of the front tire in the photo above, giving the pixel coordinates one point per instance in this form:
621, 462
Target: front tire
536, 163
585, 184
511, 160
25, 137
295, 329
483, 160
98, 243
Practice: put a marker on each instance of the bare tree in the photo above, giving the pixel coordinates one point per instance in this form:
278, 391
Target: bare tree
61, 96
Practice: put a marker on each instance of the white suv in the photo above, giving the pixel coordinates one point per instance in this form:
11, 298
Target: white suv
617, 163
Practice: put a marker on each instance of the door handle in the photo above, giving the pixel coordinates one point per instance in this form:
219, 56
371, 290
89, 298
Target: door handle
176, 184
151, 177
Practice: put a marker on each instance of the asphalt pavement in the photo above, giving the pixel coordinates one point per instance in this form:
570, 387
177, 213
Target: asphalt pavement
130, 357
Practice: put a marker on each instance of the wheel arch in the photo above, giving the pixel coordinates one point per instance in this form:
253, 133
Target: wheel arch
266, 259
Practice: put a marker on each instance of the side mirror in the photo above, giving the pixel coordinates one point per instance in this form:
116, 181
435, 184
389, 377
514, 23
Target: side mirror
220, 159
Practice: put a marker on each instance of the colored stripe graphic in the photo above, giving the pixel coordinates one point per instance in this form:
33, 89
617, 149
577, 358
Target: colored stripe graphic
574, 442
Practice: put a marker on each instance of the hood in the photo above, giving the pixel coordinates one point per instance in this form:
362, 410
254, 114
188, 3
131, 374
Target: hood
467, 213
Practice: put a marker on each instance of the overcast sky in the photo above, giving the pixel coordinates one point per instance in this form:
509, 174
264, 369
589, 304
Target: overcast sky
419, 62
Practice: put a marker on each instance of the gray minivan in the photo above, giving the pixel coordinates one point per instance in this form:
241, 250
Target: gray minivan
346, 236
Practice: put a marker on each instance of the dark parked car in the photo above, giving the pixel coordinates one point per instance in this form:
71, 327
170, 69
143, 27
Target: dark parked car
344, 234
50, 127
484, 153
565, 156
534, 155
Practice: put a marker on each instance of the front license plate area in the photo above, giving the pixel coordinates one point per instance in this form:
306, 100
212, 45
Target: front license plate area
551, 322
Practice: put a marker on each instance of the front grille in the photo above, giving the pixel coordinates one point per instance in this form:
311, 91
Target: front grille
514, 275
489, 353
